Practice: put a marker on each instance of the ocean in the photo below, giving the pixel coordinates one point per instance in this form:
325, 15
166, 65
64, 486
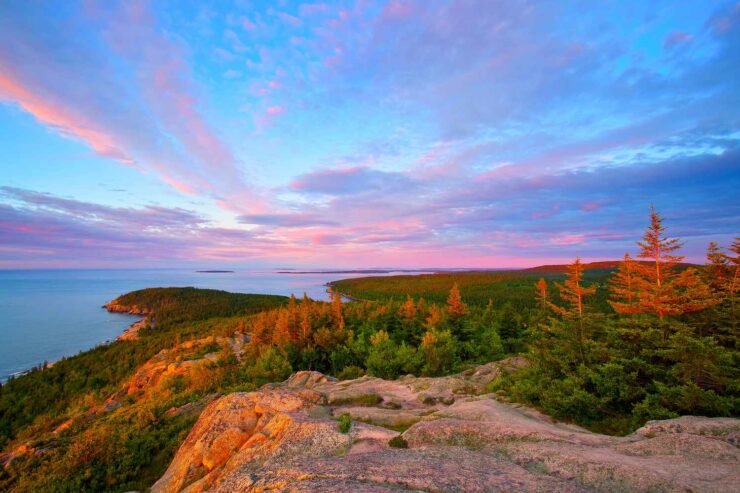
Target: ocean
48, 314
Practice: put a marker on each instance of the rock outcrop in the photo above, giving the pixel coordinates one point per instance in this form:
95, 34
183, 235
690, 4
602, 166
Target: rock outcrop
284, 437
132, 331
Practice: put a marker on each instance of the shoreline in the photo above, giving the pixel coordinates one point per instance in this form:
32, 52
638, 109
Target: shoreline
132, 331
330, 287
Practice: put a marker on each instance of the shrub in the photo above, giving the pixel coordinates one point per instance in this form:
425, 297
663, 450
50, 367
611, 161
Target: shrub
398, 442
350, 373
345, 423
271, 366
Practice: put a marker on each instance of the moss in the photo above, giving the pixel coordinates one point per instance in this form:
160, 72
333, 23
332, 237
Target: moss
399, 427
398, 442
392, 405
356, 400
467, 440
319, 412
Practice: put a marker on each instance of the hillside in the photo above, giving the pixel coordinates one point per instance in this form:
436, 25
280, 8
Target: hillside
606, 265
477, 287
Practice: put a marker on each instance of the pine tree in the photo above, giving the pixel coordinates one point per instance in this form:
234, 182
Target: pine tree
281, 336
421, 308
455, 306
438, 349
573, 293
623, 288
336, 303
293, 317
261, 333
541, 293
656, 295
435, 318
408, 309
662, 289
734, 282
718, 267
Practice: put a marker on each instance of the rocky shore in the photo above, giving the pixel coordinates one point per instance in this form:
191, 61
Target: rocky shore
132, 332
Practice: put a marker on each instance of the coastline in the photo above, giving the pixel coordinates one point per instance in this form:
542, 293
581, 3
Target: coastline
330, 287
132, 331
72, 321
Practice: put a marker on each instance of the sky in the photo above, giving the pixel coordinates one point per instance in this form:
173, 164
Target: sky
358, 133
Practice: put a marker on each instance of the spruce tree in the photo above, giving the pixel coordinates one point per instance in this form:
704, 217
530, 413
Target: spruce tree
541, 293
662, 288
573, 293
455, 306
623, 288
656, 294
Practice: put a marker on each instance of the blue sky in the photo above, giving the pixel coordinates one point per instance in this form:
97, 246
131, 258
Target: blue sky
360, 133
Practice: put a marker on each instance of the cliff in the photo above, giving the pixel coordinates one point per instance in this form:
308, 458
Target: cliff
454, 437
117, 306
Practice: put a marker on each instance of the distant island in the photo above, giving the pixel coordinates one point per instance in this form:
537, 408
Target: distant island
355, 271
214, 271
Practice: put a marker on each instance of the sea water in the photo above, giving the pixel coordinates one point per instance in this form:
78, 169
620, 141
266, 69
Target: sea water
48, 314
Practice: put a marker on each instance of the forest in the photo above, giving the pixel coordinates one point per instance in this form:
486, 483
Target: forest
608, 349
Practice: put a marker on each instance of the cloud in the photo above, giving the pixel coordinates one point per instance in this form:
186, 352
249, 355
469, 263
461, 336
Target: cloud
677, 38
150, 216
348, 181
126, 92
448, 133
39, 229
293, 220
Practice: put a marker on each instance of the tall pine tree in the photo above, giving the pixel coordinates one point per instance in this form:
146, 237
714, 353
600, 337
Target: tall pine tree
573, 293
623, 288
663, 289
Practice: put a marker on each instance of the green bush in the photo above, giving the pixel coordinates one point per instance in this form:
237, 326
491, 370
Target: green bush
398, 442
345, 423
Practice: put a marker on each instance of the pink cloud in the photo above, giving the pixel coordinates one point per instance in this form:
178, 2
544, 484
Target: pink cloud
547, 213
398, 9
568, 239
247, 24
65, 120
153, 122
677, 38
312, 8
590, 206
326, 239
290, 19
268, 117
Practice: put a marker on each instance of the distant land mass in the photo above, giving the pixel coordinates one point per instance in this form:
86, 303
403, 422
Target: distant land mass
355, 271
605, 264
215, 271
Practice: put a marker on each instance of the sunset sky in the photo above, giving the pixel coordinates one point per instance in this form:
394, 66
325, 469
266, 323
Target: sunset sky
363, 133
